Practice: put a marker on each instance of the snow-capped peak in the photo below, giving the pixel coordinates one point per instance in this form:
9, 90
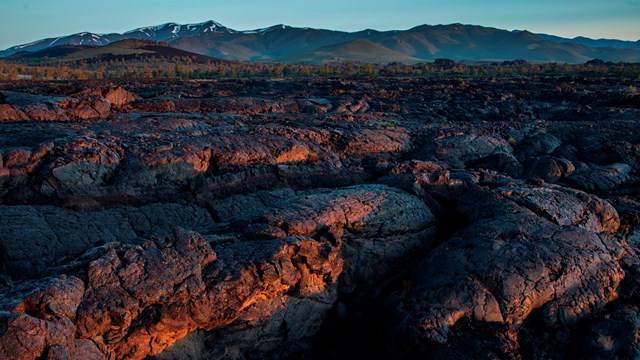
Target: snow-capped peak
151, 29
27, 45
177, 30
211, 25
267, 29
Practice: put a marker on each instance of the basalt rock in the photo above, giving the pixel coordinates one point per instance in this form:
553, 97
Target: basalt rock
37, 237
115, 95
139, 299
511, 265
319, 218
157, 292
548, 168
596, 178
86, 104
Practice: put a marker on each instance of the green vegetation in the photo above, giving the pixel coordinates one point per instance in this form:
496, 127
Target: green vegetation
386, 124
185, 67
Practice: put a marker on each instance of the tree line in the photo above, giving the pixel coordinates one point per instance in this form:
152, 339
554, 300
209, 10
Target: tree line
187, 68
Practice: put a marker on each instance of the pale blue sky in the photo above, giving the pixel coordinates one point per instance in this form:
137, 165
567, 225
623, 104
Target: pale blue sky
28, 20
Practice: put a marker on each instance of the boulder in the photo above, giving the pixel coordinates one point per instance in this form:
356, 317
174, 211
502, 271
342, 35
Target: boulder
597, 178
510, 265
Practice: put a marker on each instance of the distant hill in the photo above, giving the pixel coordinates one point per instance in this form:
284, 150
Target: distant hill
356, 50
281, 43
121, 50
581, 40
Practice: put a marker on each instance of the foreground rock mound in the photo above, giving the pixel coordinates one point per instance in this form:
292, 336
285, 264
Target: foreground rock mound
134, 300
507, 264
138, 300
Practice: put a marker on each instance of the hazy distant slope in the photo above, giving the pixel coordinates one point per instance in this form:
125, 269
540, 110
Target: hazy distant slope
581, 40
355, 50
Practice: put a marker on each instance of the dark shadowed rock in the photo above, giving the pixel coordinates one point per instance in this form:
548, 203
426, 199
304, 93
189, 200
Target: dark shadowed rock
507, 264
37, 237
548, 168
540, 143
612, 336
597, 178
458, 150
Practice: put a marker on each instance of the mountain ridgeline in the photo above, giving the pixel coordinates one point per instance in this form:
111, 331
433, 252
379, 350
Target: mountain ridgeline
285, 44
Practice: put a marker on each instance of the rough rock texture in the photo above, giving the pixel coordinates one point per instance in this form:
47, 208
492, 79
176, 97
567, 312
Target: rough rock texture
85, 104
508, 263
320, 218
37, 316
155, 293
57, 235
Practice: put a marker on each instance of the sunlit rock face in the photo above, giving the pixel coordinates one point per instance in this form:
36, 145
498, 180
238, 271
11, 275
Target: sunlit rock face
322, 218
288, 256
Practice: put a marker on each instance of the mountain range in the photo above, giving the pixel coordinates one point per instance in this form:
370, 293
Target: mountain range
281, 43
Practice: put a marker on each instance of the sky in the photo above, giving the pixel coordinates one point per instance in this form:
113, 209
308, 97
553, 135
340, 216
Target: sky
23, 21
